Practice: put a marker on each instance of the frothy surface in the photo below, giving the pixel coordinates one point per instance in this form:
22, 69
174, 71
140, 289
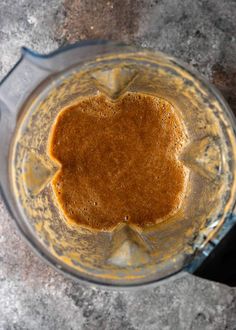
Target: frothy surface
119, 161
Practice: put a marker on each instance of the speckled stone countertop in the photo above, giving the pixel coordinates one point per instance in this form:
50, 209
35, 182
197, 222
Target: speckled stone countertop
34, 296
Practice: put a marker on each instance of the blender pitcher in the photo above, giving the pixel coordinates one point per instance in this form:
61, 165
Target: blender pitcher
32, 95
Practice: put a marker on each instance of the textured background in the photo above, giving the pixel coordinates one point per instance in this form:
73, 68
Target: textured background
32, 295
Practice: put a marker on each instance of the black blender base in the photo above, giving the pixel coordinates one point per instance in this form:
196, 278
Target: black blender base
220, 266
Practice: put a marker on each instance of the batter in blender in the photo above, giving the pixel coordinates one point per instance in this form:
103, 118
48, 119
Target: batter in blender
119, 161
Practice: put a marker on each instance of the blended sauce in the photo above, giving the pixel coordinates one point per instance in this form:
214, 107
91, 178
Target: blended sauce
119, 161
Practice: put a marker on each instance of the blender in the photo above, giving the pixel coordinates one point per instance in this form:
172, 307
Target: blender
199, 239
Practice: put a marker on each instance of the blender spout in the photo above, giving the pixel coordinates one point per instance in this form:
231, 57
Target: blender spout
32, 68
20, 82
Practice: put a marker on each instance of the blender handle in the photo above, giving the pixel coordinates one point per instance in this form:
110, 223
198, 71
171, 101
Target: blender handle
220, 265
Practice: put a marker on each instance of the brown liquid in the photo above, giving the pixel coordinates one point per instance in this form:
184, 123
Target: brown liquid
119, 161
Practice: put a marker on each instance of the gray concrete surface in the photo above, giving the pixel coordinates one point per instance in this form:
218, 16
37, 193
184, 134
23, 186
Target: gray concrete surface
32, 295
